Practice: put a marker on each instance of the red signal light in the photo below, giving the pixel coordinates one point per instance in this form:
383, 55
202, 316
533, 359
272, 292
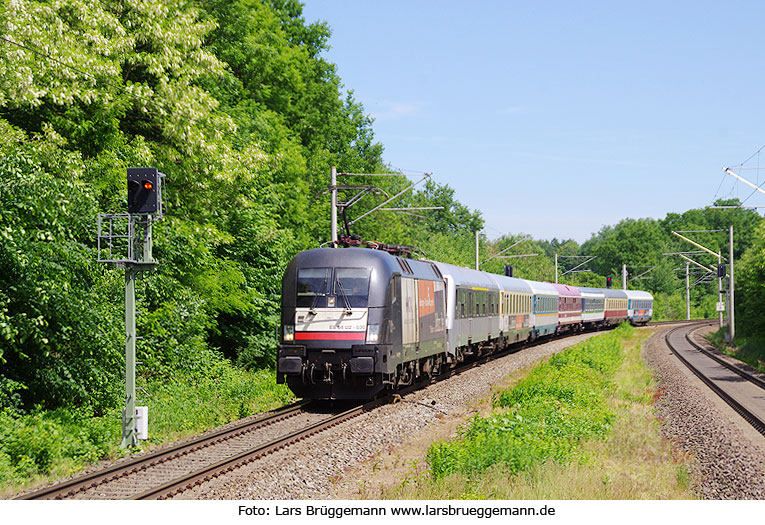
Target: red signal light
147, 185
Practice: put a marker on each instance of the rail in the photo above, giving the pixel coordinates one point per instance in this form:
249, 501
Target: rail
753, 419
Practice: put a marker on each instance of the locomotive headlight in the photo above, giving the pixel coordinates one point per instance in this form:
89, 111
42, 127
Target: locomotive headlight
373, 333
289, 332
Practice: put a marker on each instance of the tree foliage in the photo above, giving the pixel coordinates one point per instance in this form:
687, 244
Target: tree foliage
750, 286
234, 102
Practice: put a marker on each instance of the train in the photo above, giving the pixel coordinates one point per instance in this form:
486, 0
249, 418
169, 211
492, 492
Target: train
359, 322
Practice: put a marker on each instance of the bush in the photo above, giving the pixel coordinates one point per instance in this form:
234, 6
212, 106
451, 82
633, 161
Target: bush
58, 441
544, 416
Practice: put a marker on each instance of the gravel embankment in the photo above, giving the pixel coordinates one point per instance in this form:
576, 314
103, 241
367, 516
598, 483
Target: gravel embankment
729, 459
340, 462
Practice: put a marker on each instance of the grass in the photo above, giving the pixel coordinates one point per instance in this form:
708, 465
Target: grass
602, 442
46, 445
750, 350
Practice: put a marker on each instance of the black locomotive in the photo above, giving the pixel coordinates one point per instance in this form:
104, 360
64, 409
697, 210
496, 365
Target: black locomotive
350, 325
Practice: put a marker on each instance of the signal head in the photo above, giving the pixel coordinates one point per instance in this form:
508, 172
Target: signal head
144, 191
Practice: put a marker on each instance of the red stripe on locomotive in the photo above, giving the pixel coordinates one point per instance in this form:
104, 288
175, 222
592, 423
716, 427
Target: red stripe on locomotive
330, 336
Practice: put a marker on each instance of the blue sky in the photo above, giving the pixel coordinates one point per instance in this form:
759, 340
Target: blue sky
557, 118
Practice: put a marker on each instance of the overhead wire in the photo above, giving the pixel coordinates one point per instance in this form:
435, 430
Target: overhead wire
740, 166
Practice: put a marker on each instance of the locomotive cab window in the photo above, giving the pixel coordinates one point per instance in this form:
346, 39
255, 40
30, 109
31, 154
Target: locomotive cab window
313, 286
354, 284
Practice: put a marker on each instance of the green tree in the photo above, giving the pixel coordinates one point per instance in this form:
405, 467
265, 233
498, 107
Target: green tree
750, 286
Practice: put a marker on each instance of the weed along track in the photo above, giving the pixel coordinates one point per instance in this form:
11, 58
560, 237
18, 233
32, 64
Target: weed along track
331, 463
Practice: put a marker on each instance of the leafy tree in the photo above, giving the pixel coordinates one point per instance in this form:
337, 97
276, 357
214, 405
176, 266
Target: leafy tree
59, 335
750, 286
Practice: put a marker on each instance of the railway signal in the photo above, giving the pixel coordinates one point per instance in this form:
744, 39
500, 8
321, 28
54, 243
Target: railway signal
124, 239
144, 190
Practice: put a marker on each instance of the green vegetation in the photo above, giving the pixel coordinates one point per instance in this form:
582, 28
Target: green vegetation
580, 426
545, 416
750, 287
750, 305
233, 101
750, 350
641, 244
47, 444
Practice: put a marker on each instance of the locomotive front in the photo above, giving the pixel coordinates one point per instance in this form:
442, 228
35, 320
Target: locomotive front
333, 319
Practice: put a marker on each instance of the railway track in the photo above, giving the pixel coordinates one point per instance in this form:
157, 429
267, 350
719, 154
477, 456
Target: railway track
744, 392
129, 478
168, 472
171, 471
209, 472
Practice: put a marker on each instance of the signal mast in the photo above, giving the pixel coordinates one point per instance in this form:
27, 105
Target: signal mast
124, 239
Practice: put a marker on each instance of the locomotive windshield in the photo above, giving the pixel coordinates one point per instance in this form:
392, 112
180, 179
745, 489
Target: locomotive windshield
315, 285
354, 283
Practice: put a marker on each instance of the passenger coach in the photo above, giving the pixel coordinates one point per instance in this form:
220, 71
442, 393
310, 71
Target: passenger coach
615, 306
639, 306
593, 307
569, 307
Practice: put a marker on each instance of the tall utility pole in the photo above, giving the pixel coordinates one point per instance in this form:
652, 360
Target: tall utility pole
687, 291
624, 276
364, 189
129, 421
719, 261
333, 213
130, 434
556, 268
719, 289
476, 250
